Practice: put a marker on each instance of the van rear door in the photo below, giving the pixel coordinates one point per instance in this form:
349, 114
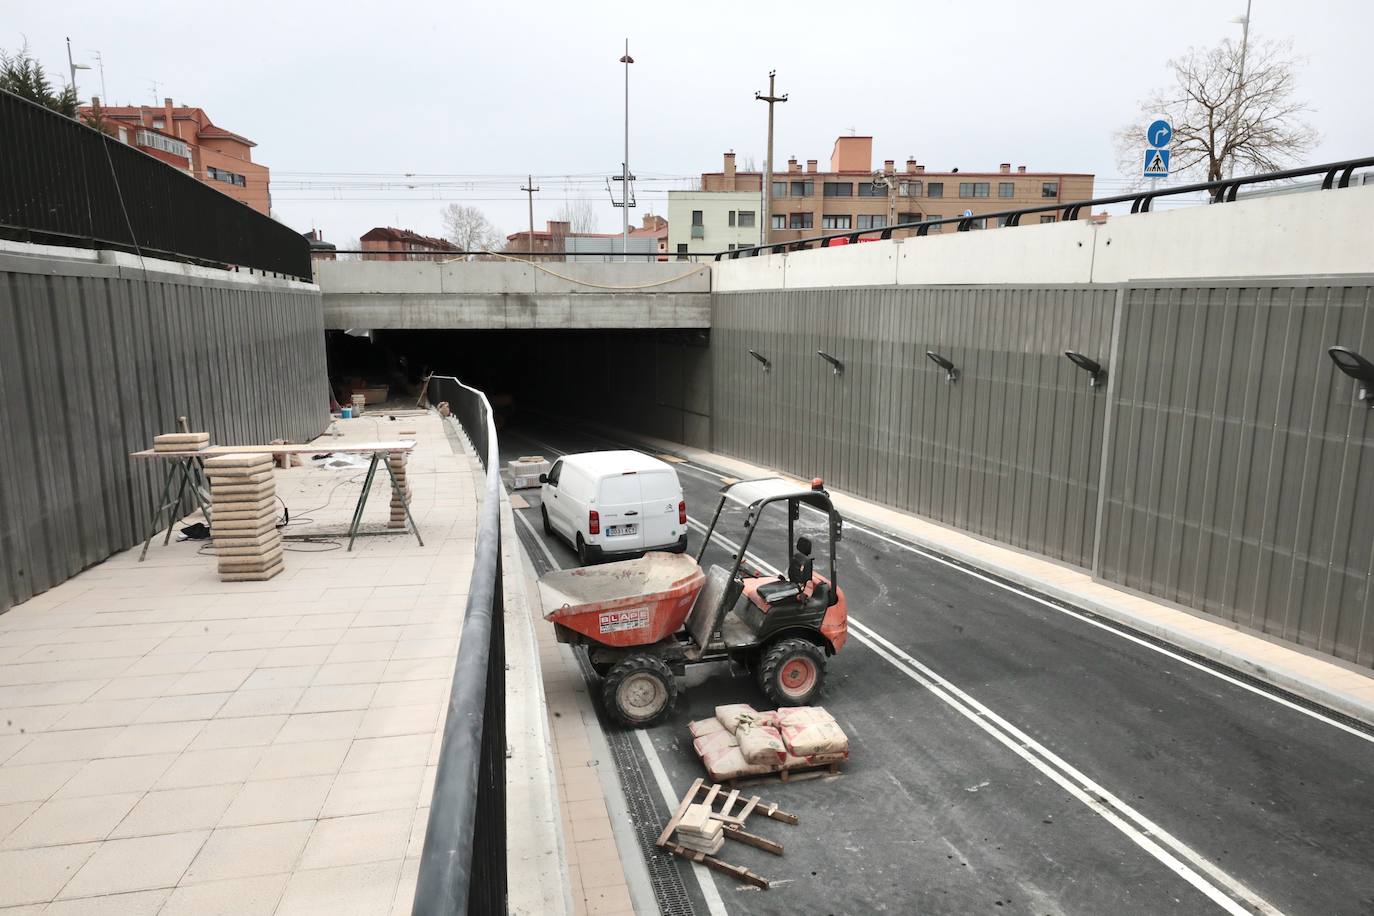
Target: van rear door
621, 509
661, 493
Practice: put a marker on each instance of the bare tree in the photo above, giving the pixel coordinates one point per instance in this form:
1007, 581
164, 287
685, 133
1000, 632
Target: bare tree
351, 245
469, 228
749, 165
1225, 117
579, 214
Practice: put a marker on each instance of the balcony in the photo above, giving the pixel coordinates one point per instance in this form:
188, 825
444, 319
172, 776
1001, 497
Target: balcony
698, 232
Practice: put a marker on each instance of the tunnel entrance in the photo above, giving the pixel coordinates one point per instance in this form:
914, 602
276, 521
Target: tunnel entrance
656, 383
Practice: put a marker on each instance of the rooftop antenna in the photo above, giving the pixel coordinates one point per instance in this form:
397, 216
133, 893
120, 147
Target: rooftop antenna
100, 65
154, 84
852, 130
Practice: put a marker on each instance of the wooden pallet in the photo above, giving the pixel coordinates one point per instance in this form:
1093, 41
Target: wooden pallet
734, 828
789, 774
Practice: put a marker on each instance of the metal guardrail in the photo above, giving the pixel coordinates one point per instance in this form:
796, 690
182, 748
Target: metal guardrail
463, 863
63, 183
1335, 174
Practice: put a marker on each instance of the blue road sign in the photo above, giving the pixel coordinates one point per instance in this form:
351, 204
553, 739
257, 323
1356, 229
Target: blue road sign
1156, 163
1159, 134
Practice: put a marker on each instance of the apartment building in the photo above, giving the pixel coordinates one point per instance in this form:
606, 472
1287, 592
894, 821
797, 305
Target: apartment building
186, 138
704, 222
852, 195
383, 243
558, 242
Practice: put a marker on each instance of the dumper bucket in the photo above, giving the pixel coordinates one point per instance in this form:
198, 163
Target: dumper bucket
629, 603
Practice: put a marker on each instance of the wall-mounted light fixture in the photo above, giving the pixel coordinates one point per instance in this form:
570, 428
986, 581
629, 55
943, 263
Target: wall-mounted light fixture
951, 373
1091, 366
763, 360
1358, 368
834, 363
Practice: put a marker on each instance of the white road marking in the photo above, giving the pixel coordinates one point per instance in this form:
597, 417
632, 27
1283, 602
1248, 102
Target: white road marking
709, 891
1143, 832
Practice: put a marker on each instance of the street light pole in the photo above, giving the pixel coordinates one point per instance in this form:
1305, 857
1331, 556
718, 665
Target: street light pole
625, 166
1240, 77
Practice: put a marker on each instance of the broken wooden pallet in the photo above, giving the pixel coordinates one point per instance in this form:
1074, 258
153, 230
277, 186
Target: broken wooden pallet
733, 824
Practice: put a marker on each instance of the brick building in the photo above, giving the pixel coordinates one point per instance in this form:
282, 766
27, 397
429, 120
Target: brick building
387, 244
852, 195
186, 138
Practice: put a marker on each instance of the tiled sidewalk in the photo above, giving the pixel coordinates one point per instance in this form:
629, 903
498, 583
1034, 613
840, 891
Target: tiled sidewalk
173, 744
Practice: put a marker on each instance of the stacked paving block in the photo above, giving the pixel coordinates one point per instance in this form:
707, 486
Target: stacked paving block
243, 496
699, 831
397, 460
180, 442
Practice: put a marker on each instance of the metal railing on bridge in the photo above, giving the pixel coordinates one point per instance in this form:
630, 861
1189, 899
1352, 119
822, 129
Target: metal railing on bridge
1335, 174
463, 863
64, 183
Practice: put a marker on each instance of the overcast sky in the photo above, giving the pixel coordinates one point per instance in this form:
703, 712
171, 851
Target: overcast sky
466, 98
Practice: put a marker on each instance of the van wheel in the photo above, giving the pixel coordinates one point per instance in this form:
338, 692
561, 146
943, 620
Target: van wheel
584, 553
639, 691
548, 529
792, 672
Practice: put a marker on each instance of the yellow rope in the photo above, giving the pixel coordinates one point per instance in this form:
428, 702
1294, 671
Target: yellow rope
553, 273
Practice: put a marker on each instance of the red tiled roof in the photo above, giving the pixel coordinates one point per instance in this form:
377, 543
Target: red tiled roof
389, 234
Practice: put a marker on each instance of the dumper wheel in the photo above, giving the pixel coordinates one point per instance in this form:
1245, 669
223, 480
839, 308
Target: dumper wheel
792, 672
639, 690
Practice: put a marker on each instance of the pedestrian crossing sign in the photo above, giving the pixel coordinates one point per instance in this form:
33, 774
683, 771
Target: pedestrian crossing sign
1156, 163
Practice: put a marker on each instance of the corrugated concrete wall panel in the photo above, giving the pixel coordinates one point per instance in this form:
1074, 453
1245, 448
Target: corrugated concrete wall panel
1009, 451
95, 360
1241, 469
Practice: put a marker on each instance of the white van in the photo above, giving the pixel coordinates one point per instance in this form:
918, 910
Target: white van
614, 505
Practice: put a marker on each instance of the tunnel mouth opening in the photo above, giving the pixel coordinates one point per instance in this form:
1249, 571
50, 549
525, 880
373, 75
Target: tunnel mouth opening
652, 382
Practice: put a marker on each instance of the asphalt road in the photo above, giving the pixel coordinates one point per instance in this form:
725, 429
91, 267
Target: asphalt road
1008, 756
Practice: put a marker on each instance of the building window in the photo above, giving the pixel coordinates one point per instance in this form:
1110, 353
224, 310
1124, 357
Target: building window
779, 221
166, 144
909, 188
1049, 189
935, 189
839, 189
731, 220
730, 247
978, 223
1048, 219
746, 219
803, 189
225, 175
973, 189
1006, 189
908, 217
835, 222
696, 217
779, 189
933, 217
682, 251
1001, 222
875, 221
800, 221
872, 189
159, 124
123, 135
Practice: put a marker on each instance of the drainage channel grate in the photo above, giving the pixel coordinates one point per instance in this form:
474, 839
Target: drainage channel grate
669, 890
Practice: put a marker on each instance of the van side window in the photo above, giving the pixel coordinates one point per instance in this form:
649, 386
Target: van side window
555, 471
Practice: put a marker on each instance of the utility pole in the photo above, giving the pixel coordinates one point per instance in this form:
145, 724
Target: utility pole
625, 166
772, 99
529, 189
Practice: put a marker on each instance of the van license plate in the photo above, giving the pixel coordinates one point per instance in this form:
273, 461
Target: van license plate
616, 531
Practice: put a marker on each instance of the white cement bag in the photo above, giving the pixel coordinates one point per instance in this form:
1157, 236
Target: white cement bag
761, 744
803, 715
815, 738
703, 727
728, 763
712, 743
731, 715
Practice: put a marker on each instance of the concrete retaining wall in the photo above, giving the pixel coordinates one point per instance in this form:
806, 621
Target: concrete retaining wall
96, 359
1238, 466
477, 295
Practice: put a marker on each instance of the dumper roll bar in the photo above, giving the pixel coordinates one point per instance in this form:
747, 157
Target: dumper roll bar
776, 489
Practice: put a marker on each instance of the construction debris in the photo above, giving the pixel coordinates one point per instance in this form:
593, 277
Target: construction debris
243, 495
701, 830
